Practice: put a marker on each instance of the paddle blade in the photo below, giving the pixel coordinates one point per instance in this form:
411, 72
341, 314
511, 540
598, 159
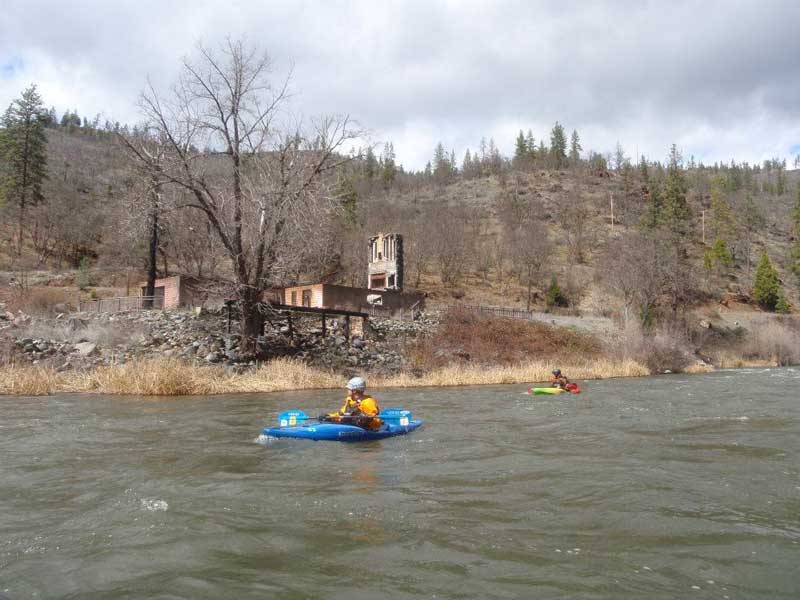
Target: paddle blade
290, 418
396, 416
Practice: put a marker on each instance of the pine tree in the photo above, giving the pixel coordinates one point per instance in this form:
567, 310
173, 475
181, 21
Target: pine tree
23, 151
442, 169
619, 157
554, 296
558, 146
677, 214
530, 144
782, 305
654, 214
723, 223
389, 168
370, 164
766, 285
520, 149
794, 251
347, 195
575, 147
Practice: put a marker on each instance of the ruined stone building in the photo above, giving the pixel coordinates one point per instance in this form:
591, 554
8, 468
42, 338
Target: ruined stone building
384, 295
385, 267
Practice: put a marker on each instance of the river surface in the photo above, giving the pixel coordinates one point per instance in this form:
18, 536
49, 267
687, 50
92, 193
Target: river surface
669, 487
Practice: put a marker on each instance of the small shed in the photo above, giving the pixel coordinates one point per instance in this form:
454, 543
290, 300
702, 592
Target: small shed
185, 291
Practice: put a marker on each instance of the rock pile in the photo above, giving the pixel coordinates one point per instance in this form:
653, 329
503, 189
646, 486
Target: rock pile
92, 339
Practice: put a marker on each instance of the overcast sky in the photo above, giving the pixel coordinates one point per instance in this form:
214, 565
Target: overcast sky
720, 79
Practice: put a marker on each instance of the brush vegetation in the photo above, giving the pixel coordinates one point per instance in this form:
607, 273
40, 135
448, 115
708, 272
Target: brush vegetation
176, 378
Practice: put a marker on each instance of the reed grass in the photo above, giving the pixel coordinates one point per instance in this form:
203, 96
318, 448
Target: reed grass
28, 380
532, 372
173, 377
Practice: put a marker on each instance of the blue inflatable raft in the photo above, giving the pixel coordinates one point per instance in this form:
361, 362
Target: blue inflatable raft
297, 424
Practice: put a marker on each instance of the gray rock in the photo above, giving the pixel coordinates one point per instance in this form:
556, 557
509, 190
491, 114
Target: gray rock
212, 357
86, 348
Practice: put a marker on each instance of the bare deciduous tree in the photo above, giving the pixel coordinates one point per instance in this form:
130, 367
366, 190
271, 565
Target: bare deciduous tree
259, 179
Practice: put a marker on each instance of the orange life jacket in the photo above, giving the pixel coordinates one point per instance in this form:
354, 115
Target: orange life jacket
367, 409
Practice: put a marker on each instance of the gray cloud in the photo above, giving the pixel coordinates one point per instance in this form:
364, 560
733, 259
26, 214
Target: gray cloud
721, 79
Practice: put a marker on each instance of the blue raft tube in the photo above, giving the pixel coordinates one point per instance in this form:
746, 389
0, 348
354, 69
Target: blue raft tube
297, 424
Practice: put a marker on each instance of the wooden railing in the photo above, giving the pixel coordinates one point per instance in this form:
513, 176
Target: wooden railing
122, 304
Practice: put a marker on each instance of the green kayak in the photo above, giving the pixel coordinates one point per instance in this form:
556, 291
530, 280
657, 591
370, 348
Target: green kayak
571, 388
546, 390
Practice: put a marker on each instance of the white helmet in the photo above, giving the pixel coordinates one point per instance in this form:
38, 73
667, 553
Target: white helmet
357, 384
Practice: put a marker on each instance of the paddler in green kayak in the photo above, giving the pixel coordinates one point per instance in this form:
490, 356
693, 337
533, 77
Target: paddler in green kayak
559, 380
359, 409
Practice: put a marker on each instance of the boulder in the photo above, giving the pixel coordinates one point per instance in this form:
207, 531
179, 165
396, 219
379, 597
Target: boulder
86, 348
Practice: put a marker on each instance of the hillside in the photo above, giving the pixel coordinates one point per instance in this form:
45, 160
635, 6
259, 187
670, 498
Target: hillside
464, 235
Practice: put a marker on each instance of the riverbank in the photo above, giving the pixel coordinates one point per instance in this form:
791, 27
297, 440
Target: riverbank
186, 353
173, 377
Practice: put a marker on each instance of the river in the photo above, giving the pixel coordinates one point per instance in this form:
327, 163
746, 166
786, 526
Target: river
667, 487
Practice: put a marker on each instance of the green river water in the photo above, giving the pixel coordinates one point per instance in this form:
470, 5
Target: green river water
668, 487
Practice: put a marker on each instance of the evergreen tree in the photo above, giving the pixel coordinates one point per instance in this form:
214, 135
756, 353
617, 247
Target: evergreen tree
347, 195
654, 214
794, 251
520, 149
530, 144
723, 223
575, 147
677, 214
389, 170
466, 165
558, 146
370, 164
782, 305
442, 168
23, 151
554, 296
619, 157
766, 285
643, 171
718, 257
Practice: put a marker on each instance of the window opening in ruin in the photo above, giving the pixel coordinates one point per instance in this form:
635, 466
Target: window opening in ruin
294, 299
307, 298
391, 280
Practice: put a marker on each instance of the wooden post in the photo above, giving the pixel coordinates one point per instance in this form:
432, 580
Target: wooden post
291, 329
228, 303
324, 331
347, 328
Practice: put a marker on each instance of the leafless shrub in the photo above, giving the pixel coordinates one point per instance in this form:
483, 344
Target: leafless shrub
773, 341
661, 350
41, 300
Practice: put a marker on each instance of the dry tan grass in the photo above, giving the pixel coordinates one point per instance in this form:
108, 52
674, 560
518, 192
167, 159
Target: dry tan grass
532, 372
735, 361
698, 368
28, 380
176, 378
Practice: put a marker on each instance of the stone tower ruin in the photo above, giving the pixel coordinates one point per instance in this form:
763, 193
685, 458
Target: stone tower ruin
385, 268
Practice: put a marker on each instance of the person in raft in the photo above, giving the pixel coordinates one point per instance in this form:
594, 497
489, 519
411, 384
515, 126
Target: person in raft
359, 408
559, 380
